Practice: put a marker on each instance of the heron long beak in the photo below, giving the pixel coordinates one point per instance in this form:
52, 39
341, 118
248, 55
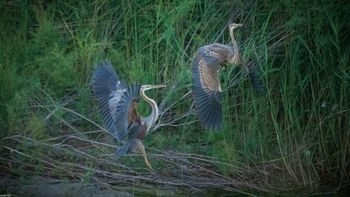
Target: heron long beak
148, 87
158, 86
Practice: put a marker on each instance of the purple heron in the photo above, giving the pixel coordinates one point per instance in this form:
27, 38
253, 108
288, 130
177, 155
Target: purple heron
206, 88
117, 102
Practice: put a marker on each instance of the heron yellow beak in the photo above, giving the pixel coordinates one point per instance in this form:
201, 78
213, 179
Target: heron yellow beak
148, 87
158, 86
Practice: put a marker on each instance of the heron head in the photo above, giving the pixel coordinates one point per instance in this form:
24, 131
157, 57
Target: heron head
233, 26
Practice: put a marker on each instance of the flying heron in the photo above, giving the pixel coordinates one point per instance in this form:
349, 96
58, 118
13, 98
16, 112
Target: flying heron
117, 102
206, 88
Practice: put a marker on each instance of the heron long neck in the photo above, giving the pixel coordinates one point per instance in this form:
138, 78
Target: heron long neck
236, 57
152, 118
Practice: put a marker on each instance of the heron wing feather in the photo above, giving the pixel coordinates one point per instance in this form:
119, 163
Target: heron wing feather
114, 98
206, 88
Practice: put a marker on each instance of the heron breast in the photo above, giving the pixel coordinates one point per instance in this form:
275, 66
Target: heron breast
143, 131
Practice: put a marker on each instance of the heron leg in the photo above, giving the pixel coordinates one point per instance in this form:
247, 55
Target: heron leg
122, 150
145, 157
138, 147
245, 66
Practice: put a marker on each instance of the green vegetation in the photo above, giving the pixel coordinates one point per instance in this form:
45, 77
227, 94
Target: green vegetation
296, 135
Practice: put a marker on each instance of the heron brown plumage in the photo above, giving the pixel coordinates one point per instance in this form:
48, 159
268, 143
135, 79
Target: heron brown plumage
206, 87
117, 102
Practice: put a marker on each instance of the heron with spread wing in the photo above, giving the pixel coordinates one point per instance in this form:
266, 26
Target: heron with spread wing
117, 102
206, 88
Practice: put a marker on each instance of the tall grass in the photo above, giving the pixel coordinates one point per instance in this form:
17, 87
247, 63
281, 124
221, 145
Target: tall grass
296, 134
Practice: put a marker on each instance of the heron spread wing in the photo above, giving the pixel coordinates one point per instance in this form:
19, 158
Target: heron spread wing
206, 88
115, 99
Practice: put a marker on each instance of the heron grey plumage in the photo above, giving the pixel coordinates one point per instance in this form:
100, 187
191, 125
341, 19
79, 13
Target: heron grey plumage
206, 87
117, 102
